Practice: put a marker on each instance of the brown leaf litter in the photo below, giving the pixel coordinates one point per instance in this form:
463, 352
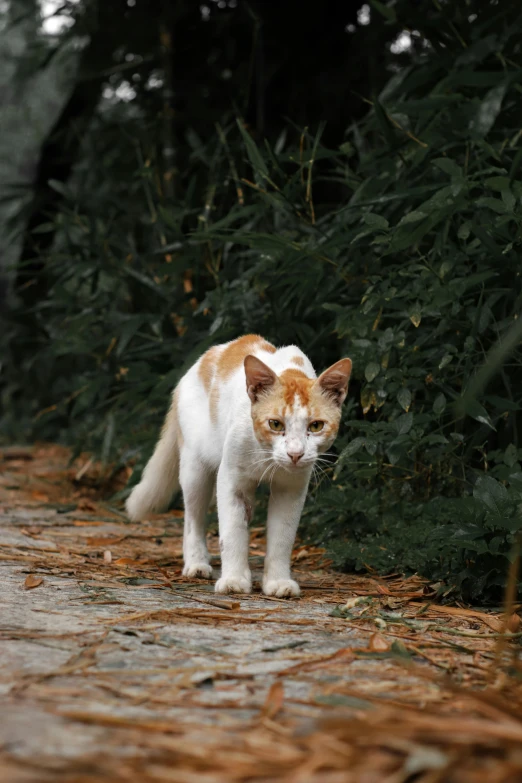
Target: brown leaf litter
117, 668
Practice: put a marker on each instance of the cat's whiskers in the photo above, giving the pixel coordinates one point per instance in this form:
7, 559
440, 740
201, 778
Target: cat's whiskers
265, 471
321, 461
260, 460
256, 466
318, 474
272, 476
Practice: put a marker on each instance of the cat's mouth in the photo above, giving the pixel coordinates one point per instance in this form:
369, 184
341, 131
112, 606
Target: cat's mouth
295, 467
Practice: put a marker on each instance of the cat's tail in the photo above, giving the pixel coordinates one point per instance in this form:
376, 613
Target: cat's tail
160, 479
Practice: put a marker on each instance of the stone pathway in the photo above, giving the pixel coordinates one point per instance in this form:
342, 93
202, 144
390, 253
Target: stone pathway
113, 667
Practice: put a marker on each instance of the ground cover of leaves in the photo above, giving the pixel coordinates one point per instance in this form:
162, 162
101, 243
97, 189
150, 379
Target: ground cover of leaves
113, 667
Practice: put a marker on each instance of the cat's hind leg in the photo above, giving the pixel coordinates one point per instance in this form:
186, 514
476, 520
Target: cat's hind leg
197, 484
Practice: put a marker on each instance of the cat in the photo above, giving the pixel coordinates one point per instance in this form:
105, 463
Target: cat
244, 413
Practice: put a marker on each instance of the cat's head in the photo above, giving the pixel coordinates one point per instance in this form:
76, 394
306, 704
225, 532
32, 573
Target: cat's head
295, 416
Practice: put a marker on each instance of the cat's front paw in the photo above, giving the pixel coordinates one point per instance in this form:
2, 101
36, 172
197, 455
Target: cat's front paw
281, 588
201, 570
233, 584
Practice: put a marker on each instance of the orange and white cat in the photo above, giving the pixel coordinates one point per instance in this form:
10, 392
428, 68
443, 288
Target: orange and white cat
245, 413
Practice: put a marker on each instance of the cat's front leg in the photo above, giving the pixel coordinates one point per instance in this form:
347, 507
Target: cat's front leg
234, 501
284, 512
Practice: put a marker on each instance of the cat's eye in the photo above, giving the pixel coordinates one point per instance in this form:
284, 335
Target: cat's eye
276, 425
316, 426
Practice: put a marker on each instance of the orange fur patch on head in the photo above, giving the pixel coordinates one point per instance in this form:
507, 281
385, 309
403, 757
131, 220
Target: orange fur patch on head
235, 353
262, 434
298, 360
269, 406
296, 383
217, 365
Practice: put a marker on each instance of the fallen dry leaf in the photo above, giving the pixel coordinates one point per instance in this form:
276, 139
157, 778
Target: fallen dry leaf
495, 623
514, 623
32, 581
86, 505
104, 542
17, 452
128, 561
86, 523
355, 601
33, 532
345, 654
218, 602
378, 643
42, 497
274, 700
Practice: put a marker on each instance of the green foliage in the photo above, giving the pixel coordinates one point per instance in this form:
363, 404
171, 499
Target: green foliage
400, 249
471, 539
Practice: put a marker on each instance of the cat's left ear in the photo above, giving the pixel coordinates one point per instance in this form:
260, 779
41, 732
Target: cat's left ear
334, 380
259, 377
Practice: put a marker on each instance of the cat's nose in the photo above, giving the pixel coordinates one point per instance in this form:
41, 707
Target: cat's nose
295, 456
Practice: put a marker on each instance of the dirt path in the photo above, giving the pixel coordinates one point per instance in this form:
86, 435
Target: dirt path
113, 667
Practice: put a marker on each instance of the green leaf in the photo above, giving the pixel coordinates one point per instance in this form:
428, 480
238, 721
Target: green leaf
375, 221
59, 187
439, 405
448, 166
511, 455
464, 230
370, 446
371, 371
492, 203
476, 411
509, 199
352, 448
383, 122
44, 228
490, 492
255, 157
347, 149
388, 12
498, 183
404, 423
484, 319
404, 398
488, 111
127, 332
412, 217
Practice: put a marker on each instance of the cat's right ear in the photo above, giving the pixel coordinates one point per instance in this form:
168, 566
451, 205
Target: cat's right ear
259, 377
334, 381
